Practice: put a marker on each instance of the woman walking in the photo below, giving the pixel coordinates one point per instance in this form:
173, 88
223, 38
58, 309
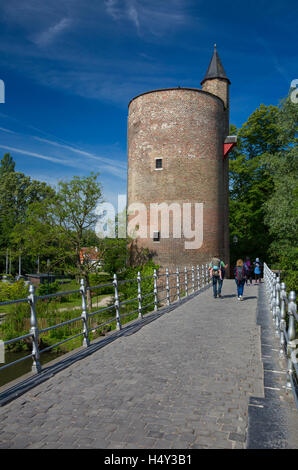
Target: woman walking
240, 276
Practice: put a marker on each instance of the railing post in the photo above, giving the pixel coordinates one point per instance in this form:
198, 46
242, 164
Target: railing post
84, 314
185, 281
178, 283
36, 366
117, 306
273, 297
167, 286
282, 325
198, 276
139, 295
193, 278
155, 289
291, 337
277, 308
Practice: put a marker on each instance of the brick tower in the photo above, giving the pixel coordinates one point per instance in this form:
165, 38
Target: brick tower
177, 141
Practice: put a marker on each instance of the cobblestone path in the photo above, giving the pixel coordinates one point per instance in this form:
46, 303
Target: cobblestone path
182, 381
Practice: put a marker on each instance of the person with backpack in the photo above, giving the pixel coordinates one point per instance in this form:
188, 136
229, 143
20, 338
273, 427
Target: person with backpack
217, 272
240, 274
257, 270
249, 271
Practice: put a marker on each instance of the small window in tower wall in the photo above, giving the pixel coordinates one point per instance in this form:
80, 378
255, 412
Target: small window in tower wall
158, 163
156, 237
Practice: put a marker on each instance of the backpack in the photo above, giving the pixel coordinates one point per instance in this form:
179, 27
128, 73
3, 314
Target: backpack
215, 263
257, 267
248, 268
240, 273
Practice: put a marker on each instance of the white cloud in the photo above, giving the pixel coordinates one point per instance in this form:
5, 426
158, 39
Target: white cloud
36, 155
3, 129
49, 35
107, 161
153, 17
64, 153
44, 55
133, 14
112, 8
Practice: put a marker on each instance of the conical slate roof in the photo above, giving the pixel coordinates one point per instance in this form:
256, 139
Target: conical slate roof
215, 69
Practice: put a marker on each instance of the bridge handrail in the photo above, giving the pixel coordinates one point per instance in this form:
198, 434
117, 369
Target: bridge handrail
278, 301
198, 281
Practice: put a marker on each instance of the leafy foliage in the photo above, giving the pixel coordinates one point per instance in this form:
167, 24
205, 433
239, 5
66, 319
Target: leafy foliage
250, 182
129, 290
263, 188
17, 290
281, 208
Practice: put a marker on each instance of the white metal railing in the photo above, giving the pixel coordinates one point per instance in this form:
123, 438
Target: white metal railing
179, 281
281, 305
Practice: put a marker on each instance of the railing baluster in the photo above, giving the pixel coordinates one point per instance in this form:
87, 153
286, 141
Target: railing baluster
167, 286
277, 308
155, 290
273, 297
185, 281
203, 276
178, 283
198, 277
36, 366
84, 314
282, 325
117, 306
139, 295
193, 278
291, 337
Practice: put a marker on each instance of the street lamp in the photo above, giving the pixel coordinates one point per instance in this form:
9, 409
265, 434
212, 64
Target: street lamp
235, 239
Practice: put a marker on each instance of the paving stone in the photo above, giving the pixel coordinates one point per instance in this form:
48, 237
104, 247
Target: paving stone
184, 380
233, 436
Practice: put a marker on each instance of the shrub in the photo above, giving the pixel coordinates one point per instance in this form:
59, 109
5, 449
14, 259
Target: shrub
17, 290
48, 288
129, 290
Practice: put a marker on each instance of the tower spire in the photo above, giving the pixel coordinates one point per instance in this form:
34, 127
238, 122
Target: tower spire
215, 69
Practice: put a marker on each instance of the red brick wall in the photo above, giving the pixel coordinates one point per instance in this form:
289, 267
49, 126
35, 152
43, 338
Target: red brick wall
186, 128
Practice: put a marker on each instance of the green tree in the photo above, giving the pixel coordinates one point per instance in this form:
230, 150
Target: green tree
73, 213
281, 208
114, 254
251, 183
7, 165
17, 193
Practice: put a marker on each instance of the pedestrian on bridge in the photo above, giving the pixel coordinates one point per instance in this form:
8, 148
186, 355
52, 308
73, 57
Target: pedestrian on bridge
240, 273
249, 268
257, 270
217, 269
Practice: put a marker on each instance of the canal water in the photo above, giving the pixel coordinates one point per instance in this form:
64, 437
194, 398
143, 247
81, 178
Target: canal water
17, 370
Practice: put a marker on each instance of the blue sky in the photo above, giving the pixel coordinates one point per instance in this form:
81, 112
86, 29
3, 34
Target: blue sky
70, 68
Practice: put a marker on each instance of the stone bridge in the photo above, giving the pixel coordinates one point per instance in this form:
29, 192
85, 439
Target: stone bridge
204, 373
